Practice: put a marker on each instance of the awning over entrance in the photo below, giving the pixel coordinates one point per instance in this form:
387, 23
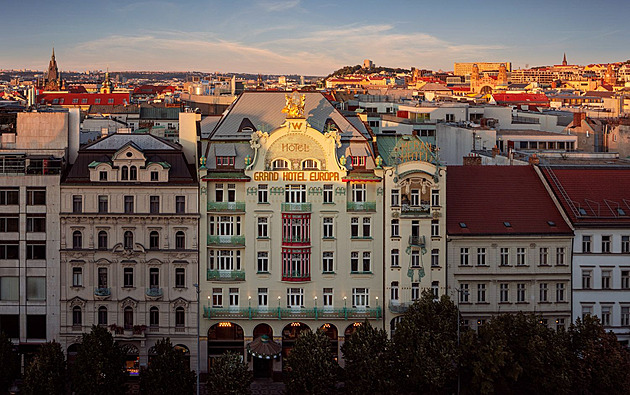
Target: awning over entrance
264, 347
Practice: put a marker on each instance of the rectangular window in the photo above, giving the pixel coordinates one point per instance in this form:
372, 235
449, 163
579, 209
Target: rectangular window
129, 209
586, 310
9, 288
295, 194
358, 161
234, 299
36, 251
102, 176
9, 196
328, 262
543, 292
544, 256
354, 262
360, 297
36, 326
395, 198
218, 192
328, 298
9, 250
586, 279
435, 257
180, 277
606, 274
263, 262
77, 277
435, 228
395, 258
154, 277
354, 227
35, 288
366, 227
155, 176
12, 224
295, 298
128, 277
481, 293
481, 256
34, 223
521, 257
415, 258
77, 204
504, 293
521, 293
263, 193
625, 316
560, 292
103, 202
586, 244
263, 227
625, 244
435, 197
180, 204
560, 256
415, 197
359, 193
263, 297
606, 244
154, 204
415, 291
606, 315
625, 279
328, 194
463, 256
35, 196
464, 293
367, 262
328, 230
217, 297
395, 228
505, 256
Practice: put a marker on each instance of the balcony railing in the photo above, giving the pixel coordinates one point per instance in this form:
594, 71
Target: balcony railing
361, 206
413, 211
226, 275
292, 313
102, 292
154, 292
226, 240
416, 241
296, 277
399, 308
296, 207
304, 240
226, 206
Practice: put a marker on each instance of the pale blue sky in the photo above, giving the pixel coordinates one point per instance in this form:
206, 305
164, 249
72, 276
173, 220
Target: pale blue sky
308, 36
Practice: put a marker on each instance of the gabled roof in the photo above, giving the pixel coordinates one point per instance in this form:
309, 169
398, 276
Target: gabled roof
596, 194
484, 198
143, 142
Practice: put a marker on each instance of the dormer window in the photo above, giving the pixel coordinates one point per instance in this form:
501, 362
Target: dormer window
124, 173
133, 173
102, 175
247, 129
280, 164
155, 176
225, 161
358, 161
310, 164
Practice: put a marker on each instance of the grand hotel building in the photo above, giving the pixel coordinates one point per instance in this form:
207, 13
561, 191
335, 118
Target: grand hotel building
311, 221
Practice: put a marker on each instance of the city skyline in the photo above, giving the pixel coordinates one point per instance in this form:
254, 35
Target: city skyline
301, 37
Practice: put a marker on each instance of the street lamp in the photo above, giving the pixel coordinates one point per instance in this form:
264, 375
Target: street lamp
198, 344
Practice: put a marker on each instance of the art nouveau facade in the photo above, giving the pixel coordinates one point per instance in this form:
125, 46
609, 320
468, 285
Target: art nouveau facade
129, 244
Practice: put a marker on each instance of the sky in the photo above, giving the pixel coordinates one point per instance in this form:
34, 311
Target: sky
308, 37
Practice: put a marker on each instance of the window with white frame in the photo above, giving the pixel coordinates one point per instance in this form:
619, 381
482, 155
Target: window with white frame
543, 256
625, 279
587, 275
234, 299
505, 256
295, 297
263, 193
310, 164
395, 198
263, 297
360, 297
295, 193
395, 258
504, 292
354, 261
263, 227
328, 227
560, 324
415, 197
521, 259
435, 228
481, 256
415, 291
435, 197
435, 257
586, 243
415, 258
395, 228
606, 275
521, 291
435, 289
625, 244
359, 193
231, 192
328, 262
606, 315
464, 293
367, 262
560, 292
77, 277
464, 256
354, 227
263, 262
625, 315
587, 310
481, 293
280, 164
366, 227
328, 194
544, 287
218, 192
560, 256
328, 298
228, 260
606, 241
394, 290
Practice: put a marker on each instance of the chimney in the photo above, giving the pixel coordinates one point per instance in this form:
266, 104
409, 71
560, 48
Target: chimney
578, 117
534, 159
472, 160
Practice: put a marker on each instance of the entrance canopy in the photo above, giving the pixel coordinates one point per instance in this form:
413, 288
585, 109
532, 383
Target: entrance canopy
264, 347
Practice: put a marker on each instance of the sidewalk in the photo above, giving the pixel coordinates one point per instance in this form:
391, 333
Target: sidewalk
264, 387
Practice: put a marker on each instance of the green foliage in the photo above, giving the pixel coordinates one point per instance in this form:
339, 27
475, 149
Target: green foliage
358, 69
229, 375
99, 367
47, 372
168, 372
311, 368
9, 363
426, 352
368, 350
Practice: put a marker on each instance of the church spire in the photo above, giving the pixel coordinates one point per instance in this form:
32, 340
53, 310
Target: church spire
564, 59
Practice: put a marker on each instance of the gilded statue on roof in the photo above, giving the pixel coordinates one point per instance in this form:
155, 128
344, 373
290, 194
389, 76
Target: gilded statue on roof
294, 107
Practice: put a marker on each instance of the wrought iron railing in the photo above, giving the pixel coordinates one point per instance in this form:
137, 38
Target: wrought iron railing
226, 240
154, 292
296, 207
361, 206
292, 313
226, 206
225, 275
102, 291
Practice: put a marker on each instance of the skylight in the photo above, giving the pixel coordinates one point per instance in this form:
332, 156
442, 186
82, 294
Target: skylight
620, 211
582, 211
462, 225
551, 223
507, 224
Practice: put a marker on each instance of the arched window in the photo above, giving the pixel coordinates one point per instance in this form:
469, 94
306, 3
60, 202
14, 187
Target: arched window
154, 240
280, 164
133, 173
77, 316
154, 317
102, 240
128, 240
124, 173
102, 316
77, 239
180, 240
310, 164
128, 318
180, 317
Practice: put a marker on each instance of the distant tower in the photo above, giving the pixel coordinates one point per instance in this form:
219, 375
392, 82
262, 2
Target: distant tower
52, 80
610, 75
564, 59
106, 87
502, 77
260, 85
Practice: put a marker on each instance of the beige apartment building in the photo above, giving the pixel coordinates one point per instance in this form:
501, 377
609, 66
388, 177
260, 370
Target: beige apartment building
510, 255
464, 69
128, 245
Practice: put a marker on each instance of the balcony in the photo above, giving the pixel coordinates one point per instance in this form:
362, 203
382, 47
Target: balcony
292, 313
416, 241
226, 206
154, 293
226, 241
225, 275
423, 210
361, 206
297, 277
102, 293
296, 207
399, 308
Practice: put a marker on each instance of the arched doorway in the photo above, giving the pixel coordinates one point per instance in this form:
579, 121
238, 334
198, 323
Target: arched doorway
73, 350
350, 330
132, 363
333, 334
392, 325
184, 350
290, 333
224, 337
263, 364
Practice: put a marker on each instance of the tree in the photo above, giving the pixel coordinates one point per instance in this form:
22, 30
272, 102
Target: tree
425, 341
311, 368
168, 371
100, 364
602, 365
229, 375
9, 363
47, 372
368, 350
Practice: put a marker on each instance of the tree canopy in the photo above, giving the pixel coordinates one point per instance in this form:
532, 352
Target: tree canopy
168, 371
47, 372
311, 367
229, 375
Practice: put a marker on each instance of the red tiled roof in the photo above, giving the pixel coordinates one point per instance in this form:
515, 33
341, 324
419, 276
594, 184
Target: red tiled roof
83, 99
521, 97
484, 197
152, 89
598, 192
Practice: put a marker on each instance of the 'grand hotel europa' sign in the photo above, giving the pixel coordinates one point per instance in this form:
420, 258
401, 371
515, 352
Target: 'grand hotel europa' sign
296, 176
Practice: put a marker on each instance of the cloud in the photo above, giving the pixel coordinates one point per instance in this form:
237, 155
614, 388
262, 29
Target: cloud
275, 6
